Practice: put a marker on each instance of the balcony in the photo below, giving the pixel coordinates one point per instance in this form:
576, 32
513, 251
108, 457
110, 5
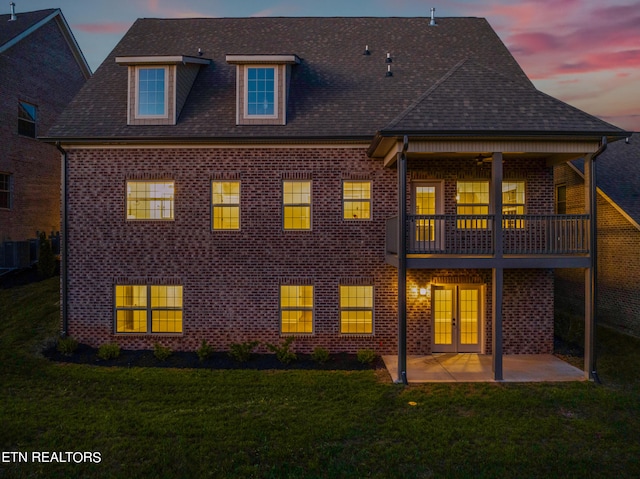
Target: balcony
525, 238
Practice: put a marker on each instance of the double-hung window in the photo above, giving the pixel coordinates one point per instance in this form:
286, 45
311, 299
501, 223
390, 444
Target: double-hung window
296, 309
5, 190
473, 203
513, 203
150, 200
27, 119
356, 200
225, 207
261, 92
151, 99
356, 309
148, 309
296, 205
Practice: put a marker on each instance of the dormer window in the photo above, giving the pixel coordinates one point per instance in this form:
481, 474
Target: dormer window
158, 87
151, 100
261, 88
261, 92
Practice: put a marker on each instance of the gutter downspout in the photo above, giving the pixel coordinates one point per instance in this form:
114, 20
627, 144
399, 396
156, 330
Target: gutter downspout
594, 254
64, 273
402, 263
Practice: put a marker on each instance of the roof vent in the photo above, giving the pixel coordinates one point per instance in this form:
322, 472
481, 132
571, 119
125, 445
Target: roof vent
366, 50
13, 12
433, 23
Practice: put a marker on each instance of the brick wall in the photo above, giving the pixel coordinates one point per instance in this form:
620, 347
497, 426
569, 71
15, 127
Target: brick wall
618, 260
42, 71
231, 279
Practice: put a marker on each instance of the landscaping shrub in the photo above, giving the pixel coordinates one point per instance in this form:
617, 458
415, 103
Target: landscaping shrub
108, 351
161, 352
205, 351
366, 356
67, 346
320, 355
283, 351
242, 351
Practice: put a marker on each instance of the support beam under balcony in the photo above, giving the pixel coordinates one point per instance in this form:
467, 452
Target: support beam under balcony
497, 286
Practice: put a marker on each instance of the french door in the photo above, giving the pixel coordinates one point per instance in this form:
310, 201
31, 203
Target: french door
456, 312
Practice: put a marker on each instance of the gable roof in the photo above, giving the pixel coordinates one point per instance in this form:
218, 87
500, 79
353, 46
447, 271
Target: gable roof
474, 98
618, 176
335, 91
25, 23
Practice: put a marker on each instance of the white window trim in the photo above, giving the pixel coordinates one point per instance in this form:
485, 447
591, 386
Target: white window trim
276, 93
137, 69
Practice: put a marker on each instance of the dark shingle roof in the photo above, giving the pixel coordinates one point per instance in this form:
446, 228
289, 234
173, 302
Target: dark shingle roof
618, 174
335, 91
472, 97
23, 21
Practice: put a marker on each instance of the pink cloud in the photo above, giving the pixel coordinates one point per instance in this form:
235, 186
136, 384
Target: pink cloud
113, 27
530, 43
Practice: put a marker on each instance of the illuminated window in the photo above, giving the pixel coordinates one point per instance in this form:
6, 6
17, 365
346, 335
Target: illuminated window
143, 309
261, 92
296, 309
225, 209
513, 203
473, 201
425, 204
561, 200
356, 200
296, 201
26, 119
356, 309
151, 97
5, 190
150, 200
469, 315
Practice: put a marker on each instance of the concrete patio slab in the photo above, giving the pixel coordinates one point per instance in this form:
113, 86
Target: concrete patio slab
450, 367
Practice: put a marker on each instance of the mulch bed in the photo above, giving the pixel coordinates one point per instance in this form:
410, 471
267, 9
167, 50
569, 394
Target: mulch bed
221, 360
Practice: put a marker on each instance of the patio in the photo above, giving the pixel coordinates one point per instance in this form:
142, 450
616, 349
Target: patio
452, 367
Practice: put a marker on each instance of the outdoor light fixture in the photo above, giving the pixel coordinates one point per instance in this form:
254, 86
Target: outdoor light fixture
426, 291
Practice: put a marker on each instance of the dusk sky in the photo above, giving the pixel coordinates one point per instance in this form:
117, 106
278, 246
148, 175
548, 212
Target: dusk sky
584, 52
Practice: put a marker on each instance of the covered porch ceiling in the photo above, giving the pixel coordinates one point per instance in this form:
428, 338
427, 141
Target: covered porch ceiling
554, 150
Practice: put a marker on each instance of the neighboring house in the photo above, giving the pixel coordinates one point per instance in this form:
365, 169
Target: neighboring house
241, 179
618, 181
41, 70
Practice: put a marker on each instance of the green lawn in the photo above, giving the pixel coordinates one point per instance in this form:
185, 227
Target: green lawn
227, 424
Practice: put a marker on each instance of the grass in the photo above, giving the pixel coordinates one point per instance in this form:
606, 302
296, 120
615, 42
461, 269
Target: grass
315, 424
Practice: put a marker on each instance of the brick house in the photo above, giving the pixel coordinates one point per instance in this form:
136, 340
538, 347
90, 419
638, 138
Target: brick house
41, 70
618, 245
334, 179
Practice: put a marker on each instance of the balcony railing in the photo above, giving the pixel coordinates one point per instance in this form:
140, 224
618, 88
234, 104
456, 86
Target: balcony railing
474, 234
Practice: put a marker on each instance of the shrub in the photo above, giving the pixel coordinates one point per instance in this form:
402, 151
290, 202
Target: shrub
242, 351
67, 345
46, 259
161, 352
108, 351
366, 356
205, 351
320, 355
283, 353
